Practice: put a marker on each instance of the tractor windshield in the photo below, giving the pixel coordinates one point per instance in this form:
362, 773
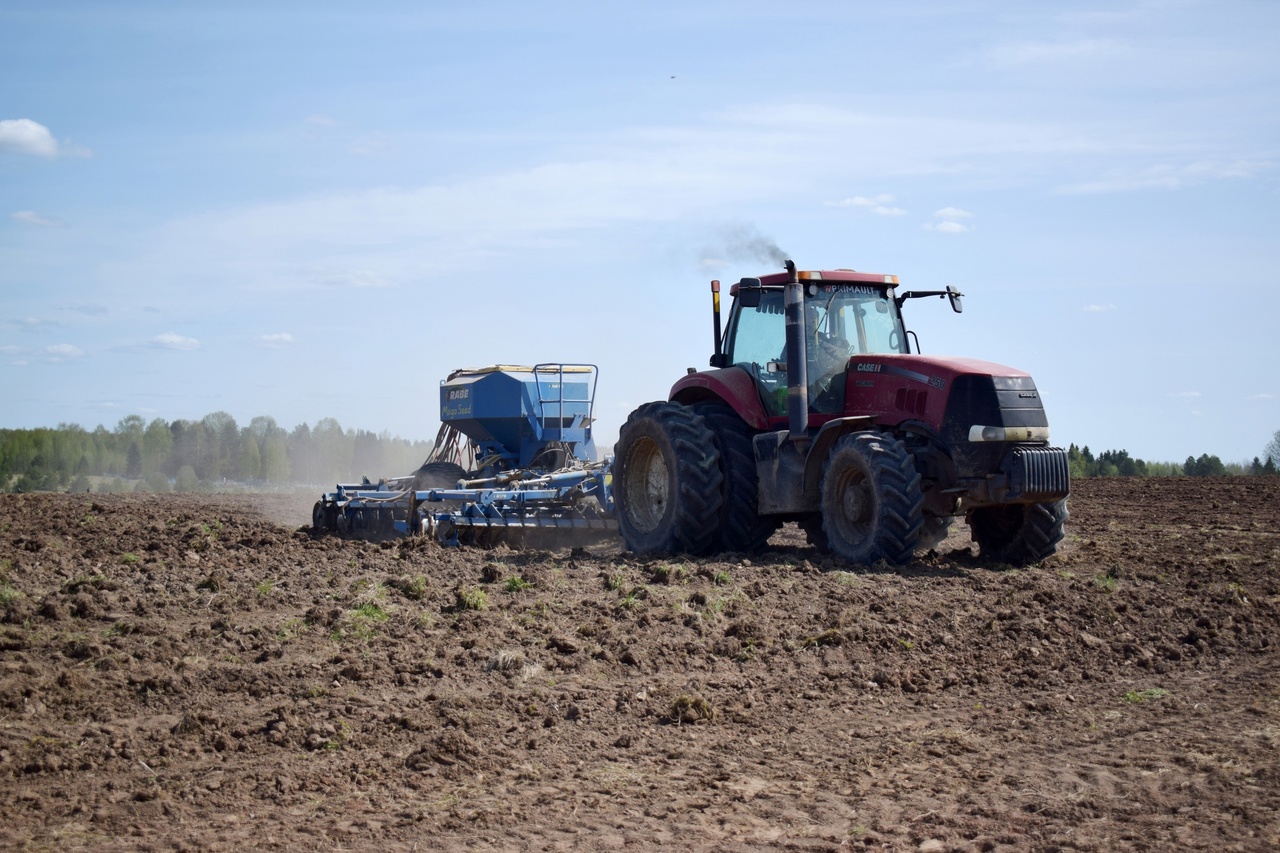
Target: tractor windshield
863, 319
840, 320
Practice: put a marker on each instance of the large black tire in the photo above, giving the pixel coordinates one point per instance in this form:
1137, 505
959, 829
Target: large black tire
742, 528
871, 499
1018, 534
667, 485
438, 475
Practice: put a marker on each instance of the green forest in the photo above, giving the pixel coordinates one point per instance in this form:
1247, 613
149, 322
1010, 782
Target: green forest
216, 453
206, 455
1118, 463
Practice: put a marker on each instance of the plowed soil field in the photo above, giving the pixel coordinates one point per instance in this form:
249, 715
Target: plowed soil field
197, 673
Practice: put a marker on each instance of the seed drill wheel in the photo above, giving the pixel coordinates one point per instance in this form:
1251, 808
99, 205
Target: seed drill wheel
1018, 534
871, 499
667, 484
438, 475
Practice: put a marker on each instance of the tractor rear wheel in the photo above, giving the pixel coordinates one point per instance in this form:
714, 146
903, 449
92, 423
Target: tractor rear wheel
1018, 534
667, 484
871, 499
742, 528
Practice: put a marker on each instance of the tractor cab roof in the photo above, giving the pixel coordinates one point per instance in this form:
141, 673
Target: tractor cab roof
828, 276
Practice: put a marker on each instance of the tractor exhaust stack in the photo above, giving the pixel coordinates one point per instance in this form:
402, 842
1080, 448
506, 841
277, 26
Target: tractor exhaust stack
797, 358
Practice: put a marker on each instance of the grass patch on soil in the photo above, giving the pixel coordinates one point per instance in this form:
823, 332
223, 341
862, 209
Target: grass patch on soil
692, 709
1105, 581
1137, 697
470, 599
666, 574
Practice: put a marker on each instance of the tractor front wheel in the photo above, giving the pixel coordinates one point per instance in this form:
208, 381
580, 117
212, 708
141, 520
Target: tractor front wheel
1018, 534
667, 484
871, 499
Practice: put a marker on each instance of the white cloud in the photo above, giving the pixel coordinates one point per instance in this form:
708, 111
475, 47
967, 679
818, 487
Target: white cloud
1167, 176
375, 143
1263, 396
407, 235
343, 278
1185, 395
9, 349
61, 352
92, 309
1045, 52
24, 136
879, 205
947, 227
170, 340
1099, 309
320, 119
30, 217
276, 340
32, 324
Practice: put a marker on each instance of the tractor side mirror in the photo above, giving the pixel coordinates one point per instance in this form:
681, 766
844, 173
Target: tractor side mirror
954, 295
749, 293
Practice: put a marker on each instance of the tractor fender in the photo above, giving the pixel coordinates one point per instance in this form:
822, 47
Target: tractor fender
731, 385
827, 435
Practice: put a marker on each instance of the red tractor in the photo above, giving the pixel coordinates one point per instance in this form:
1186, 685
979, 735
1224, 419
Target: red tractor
816, 410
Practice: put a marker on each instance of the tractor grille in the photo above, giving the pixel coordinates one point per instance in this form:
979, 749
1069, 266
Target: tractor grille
1038, 474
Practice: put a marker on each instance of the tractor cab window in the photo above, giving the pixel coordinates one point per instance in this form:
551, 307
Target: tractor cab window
760, 335
758, 339
862, 319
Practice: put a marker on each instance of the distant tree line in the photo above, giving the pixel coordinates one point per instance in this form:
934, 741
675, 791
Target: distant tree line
186, 455
1118, 463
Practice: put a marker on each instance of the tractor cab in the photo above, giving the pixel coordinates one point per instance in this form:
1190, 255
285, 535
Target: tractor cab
845, 314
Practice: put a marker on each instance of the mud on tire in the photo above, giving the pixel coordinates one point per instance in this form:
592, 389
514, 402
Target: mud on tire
871, 499
667, 484
1018, 534
742, 528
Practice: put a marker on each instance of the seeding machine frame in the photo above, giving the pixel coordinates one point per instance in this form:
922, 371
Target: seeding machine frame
514, 456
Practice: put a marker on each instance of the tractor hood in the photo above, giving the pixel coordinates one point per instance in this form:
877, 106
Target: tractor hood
933, 370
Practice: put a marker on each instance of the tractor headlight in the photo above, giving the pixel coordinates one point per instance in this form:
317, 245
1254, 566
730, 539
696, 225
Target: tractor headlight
978, 432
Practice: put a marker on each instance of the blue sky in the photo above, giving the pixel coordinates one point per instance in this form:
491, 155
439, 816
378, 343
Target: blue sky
318, 210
